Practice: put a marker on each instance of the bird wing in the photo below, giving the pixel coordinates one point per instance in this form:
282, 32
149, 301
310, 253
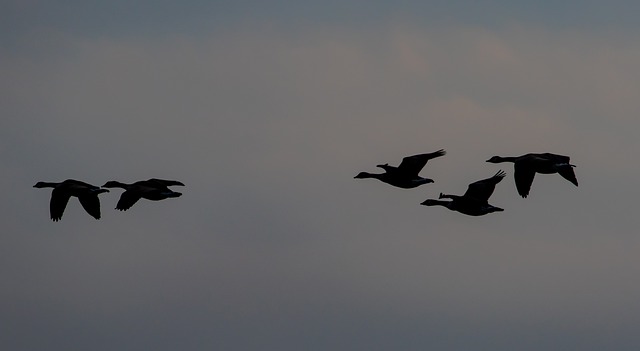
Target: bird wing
91, 204
567, 173
524, 178
59, 200
563, 166
127, 199
412, 165
164, 182
482, 189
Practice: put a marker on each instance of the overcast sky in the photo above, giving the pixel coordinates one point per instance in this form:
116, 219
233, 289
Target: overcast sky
266, 110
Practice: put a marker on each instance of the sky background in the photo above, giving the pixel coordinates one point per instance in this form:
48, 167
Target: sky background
266, 110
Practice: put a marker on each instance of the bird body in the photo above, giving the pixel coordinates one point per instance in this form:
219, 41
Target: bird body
526, 167
406, 174
469, 207
153, 189
86, 193
474, 202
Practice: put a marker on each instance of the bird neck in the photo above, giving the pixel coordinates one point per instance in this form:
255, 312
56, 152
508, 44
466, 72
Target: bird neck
448, 196
46, 185
116, 184
432, 202
370, 175
507, 159
387, 168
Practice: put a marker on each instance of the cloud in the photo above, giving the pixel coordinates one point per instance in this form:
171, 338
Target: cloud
274, 243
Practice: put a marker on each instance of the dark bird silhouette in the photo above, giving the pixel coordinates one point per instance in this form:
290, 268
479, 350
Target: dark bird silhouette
526, 166
474, 202
87, 194
406, 174
152, 189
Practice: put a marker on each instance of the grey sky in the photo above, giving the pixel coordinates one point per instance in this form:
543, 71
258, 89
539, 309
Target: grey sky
266, 112
123, 18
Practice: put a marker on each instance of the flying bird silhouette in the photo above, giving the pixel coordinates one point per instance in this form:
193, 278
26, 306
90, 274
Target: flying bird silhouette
406, 174
474, 202
526, 166
152, 189
87, 194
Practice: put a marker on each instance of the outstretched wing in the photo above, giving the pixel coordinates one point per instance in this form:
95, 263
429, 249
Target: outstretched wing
59, 200
523, 175
567, 173
412, 165
91, 204
565, 168
127, 199
163, 182
482, 189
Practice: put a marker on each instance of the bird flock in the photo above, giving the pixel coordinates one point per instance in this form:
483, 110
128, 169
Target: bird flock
475, 201
152, 189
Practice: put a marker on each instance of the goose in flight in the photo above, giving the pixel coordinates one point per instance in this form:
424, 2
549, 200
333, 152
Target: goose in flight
526, 166
152, 189
87, 194
474, 202
406, 174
